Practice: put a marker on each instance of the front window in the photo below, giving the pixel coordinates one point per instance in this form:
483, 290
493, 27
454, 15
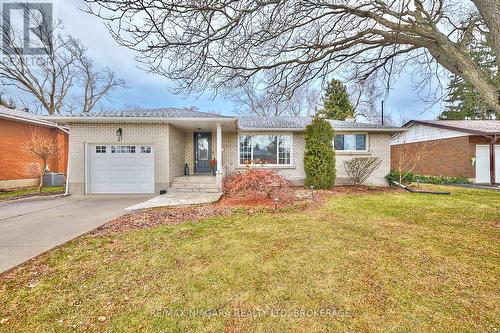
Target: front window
265, 149
350, 142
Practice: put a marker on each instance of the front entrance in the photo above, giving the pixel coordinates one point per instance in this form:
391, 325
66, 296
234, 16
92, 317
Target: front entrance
202, 151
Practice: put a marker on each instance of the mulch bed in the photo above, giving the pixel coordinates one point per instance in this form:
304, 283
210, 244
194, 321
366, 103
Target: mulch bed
302, 199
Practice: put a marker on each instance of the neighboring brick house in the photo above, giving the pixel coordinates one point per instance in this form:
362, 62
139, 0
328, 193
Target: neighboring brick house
452, 148
18, 168
146, 151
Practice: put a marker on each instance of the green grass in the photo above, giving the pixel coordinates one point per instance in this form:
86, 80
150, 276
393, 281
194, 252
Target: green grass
386, 262
29, 191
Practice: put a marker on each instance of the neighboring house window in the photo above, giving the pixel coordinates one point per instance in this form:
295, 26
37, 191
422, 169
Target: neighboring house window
123, 149
265, 149
146, 149
350, 142
100, 149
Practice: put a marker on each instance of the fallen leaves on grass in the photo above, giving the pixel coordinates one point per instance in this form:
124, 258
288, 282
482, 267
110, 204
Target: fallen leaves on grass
303, 198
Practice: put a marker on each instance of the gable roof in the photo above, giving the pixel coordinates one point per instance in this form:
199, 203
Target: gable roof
25, 117
477, 127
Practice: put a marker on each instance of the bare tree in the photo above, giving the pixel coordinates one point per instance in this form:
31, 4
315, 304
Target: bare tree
253, 100
408, 155
48, 78
96, 85
287, 43
52, 76
43, 147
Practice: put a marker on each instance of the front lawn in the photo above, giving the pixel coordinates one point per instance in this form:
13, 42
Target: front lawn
30, 192
384, 262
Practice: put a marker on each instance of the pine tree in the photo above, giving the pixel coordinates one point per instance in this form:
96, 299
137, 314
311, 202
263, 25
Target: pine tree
463, 100
336, 103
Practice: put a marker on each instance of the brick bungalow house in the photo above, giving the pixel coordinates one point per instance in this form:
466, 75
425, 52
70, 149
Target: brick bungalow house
468, 148
150, 150
18, 168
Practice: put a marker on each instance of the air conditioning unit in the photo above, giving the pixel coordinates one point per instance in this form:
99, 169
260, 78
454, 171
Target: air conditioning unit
53, 179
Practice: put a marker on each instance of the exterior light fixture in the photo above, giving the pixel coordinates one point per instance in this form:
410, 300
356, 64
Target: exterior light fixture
119, 134
312, 192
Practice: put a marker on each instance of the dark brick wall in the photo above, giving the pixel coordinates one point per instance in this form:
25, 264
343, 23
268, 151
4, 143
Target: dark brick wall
446, 157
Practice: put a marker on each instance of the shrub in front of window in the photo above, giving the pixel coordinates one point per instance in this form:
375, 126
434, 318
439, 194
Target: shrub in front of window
256, 182
360, 168
319, 156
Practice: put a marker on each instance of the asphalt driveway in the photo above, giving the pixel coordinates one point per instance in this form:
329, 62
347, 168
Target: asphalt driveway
31, 227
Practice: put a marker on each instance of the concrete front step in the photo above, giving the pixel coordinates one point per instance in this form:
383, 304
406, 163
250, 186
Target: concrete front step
195, 179
195, 189
180, 185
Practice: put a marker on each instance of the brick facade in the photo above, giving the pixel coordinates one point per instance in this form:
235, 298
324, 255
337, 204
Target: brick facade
156, 135
450, 157
174, 148
17, 165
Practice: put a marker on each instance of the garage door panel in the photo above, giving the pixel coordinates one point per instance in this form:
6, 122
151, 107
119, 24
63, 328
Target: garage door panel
483, 163
119, 170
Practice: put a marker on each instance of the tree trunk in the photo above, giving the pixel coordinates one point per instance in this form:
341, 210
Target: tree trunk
42, 175
451, 57
490, 11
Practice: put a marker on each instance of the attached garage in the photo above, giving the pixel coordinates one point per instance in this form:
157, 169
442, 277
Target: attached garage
120, 169
483, 163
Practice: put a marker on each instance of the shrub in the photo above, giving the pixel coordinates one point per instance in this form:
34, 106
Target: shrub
360, 168
255, 181
319, 156
439, 180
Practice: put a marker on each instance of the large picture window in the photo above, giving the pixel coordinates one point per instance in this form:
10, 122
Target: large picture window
265, 149
350, 142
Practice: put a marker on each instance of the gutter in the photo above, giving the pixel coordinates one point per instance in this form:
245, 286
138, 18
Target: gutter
40, 122
384, 130
167, 120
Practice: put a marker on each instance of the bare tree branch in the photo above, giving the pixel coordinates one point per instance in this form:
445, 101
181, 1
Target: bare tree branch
289, 43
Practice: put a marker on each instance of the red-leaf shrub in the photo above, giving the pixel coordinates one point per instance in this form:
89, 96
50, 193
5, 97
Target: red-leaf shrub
256, 182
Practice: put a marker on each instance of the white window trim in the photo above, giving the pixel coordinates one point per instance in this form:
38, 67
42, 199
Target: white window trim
291, 165
367, 144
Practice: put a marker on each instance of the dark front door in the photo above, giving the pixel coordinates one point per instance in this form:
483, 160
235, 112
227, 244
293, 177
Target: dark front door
202, 151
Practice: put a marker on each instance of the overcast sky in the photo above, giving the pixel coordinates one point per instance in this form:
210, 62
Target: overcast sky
148, 90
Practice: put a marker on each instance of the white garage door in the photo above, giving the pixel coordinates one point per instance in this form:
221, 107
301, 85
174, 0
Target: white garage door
483, 163
121, 169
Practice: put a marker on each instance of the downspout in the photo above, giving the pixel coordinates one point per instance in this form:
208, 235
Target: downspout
66, 188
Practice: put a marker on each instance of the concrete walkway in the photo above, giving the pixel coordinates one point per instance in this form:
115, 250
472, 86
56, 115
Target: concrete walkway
177, 199
31, 227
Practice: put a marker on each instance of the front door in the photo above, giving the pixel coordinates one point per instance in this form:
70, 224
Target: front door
202, 151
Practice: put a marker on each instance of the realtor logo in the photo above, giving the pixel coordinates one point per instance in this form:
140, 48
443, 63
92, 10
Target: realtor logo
26, 27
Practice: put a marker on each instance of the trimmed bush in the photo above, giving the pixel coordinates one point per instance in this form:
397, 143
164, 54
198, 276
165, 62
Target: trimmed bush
360, 168
438, 180
319, 156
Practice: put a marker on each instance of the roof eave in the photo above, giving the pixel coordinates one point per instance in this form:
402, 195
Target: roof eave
39, 122
70, 120
384, 130
458, 129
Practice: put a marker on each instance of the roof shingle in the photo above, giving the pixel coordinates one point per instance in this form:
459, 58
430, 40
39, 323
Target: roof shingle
283, 122
153, 113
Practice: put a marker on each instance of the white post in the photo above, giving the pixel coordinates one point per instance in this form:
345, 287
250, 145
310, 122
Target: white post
219, 148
